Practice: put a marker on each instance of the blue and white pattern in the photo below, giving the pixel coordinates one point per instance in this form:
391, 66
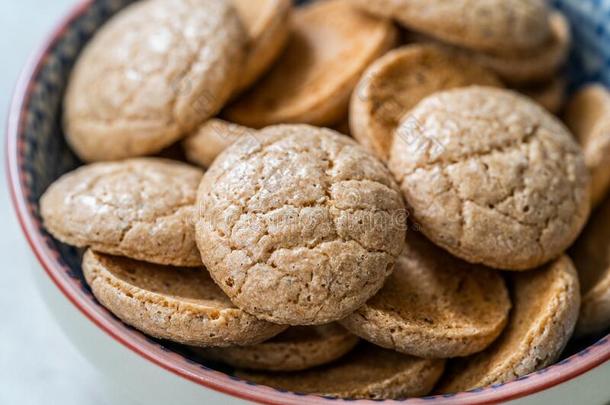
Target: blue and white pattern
44, 154
590, 56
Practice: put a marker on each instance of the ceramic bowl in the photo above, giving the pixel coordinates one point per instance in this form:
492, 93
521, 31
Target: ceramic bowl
158, 372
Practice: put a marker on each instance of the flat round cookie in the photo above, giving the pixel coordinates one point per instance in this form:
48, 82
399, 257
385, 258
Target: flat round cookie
331, 45
397, 81
267, 23
545, 309
550, 95
296, 349
299, 225
591, 255
152, 74
140, 208
492, 177
481, 25
211, 139
178, 304
434, 305
368, 372
534, 66
588, 116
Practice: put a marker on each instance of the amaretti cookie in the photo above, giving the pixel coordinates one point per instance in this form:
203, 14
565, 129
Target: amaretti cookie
535, 66
588, 116
492, 177
140, 208
330, 46
434, 305
520, 68
482, 25
150, 75
299, 225
368, 372
545, 309
591, 255
397, 81
211, 138
296, 349
179, 304
267, 23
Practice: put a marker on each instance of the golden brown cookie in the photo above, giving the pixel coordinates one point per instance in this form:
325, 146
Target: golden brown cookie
211, 138
434, 305
588, 116
140, 208
331, 45
267, 23
520, 68
152, 74
482, 25
591, 255
550, 95
396, 82
534, 66
545, 309
296, 349
368, 372
299, 225
179, 304
492, 177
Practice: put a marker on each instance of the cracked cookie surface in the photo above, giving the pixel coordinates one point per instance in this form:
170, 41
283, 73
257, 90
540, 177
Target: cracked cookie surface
299, 225
140, 208
482, 25
179, 304
397, 81
492, 177
296, 349
545, 309
434, 305
368, 372
150, 75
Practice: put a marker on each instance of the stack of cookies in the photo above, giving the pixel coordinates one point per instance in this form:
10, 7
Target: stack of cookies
417, 247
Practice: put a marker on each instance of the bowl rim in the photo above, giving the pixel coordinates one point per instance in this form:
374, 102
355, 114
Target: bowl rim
568, 369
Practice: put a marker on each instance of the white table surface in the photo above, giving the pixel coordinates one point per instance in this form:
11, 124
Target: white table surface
38, 365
